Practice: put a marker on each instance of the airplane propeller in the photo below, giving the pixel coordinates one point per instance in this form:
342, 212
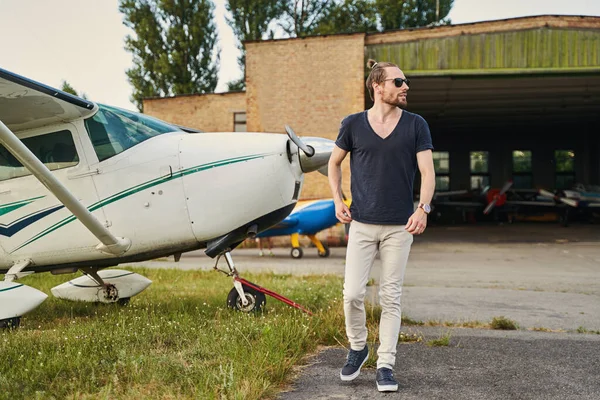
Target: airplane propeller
497, 197
565, 200
308, 150
315, 151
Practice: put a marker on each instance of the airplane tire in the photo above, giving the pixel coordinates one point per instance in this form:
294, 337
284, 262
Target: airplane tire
326, 252
296, 252
256, 300
10, 323
124, 301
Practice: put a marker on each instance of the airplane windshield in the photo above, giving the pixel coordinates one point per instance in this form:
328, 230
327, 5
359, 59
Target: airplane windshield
113, 130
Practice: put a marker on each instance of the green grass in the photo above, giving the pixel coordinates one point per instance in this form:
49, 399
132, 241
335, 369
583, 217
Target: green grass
457, 324
503, 323
541, 329
443, 340
175, 340
406, 320
582, 329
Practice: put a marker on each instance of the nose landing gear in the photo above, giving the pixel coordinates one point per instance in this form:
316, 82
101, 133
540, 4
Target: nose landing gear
247, 296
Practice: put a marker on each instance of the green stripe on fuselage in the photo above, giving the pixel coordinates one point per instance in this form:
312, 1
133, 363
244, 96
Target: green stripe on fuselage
140, 187
6, 208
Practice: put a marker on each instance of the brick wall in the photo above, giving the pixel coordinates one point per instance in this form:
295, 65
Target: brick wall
207, 112
310, 84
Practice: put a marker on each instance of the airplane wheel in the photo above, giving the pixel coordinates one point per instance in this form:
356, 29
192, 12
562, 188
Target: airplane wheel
256, 300
296, 252
124, 301
10, 323
325, 253
111, 292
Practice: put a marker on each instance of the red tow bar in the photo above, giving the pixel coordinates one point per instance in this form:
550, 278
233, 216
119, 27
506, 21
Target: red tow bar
274, 295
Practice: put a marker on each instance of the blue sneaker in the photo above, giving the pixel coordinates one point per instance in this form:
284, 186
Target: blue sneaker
355, 361
386, 381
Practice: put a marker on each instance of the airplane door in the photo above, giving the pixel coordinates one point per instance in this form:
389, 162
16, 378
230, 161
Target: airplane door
142, 196
32, 219
138, 180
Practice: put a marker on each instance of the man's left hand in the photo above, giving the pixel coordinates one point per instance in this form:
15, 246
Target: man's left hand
417, 222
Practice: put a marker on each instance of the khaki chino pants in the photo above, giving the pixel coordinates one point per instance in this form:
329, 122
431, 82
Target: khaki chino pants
393, 243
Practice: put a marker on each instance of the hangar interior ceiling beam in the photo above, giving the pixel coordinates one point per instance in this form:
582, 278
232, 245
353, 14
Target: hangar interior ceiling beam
463, 102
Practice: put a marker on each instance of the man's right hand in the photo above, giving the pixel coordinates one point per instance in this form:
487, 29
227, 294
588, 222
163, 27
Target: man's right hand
342, 212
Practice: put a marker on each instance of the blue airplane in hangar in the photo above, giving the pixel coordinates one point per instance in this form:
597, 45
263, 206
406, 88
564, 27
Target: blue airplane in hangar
308, 218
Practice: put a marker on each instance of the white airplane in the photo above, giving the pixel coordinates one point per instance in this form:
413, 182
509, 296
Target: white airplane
584, 195
85, 186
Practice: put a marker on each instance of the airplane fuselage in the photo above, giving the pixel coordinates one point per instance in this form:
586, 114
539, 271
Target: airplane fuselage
172, 192
308, 218
85, 186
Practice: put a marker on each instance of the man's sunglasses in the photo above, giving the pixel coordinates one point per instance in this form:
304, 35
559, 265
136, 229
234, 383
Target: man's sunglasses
399, 81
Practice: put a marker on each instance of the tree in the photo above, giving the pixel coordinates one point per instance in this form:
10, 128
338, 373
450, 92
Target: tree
398, 14
250, 20
66, 87
301, 17
348, 16
174, 48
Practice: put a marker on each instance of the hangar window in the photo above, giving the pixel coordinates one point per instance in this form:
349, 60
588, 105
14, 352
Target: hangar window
522, 170
441, 162
480, 176
564, 167
239, 122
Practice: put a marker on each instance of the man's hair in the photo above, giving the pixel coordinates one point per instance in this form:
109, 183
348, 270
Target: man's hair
377, 74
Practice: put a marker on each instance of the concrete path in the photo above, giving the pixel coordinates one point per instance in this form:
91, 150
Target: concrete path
477, 364
548, 279
540, 276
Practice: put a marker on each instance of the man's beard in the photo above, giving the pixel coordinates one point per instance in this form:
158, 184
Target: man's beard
395, 101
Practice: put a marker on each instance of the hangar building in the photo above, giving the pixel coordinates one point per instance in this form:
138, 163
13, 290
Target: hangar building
509, 99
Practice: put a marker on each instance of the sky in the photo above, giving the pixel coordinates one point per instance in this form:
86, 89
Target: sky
82, 41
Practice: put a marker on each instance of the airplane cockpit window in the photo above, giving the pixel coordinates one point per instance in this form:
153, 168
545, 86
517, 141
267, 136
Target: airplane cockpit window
56, 150
113, 130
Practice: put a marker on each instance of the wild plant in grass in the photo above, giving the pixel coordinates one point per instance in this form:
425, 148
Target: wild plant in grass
503, 323
443, 340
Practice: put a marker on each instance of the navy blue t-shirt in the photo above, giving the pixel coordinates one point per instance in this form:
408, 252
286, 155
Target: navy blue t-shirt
383, 170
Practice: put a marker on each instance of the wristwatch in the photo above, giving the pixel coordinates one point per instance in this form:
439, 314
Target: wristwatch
426, 207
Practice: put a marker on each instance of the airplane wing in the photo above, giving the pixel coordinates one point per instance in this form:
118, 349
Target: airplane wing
286, 223
531, 203
446, 194
26, 104
458, 204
